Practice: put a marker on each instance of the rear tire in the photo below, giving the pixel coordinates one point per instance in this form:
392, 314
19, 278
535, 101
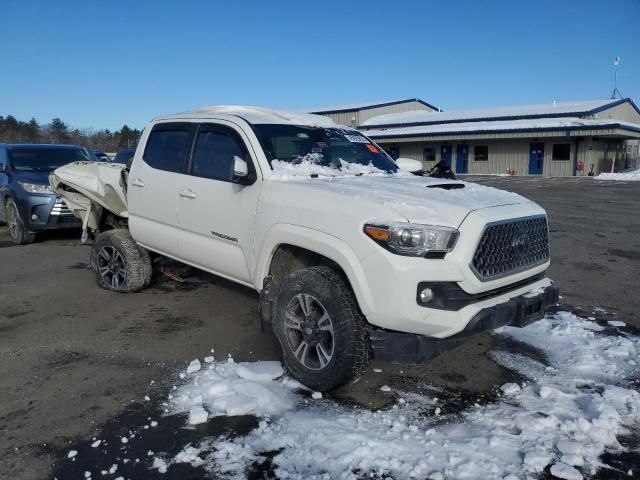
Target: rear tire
119, 263
19, 234
322, 333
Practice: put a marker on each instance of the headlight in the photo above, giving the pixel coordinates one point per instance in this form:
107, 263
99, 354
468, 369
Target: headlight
35, 187
411, 239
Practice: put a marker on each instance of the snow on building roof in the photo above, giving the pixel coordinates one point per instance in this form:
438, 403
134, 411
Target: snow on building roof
365, 105
555, 109
257, 115
561, 123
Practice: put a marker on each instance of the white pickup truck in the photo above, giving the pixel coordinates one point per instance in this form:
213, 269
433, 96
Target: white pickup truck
353, 258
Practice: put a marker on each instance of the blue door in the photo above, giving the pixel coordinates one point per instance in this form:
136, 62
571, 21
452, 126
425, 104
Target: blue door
462, 158
445, 155
536, 158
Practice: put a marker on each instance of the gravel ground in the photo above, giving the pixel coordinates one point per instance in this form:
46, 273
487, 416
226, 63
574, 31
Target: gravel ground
74, 358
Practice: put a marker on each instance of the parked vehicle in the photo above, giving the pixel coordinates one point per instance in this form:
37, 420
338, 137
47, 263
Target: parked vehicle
101, 156
352, 258
27, 203
124, 156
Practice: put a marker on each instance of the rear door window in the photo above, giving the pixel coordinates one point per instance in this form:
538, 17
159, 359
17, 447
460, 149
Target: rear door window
216, 149
168, 147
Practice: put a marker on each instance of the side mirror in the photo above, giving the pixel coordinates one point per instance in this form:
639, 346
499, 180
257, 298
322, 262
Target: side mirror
410, 165
240, 168
2, 168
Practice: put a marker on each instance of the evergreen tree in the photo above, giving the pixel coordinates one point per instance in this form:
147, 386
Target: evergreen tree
32, 131
58, 131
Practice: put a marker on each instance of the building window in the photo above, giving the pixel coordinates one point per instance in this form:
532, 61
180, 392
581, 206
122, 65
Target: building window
429, 154
561, 151
481, 153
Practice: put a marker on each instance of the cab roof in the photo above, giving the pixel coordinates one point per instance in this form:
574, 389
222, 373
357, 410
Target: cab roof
256, 115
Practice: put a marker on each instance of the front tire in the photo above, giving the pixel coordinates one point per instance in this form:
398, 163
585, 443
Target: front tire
320, 328
19, 234
119, 263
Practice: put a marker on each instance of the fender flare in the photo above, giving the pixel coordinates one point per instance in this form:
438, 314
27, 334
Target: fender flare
321, 243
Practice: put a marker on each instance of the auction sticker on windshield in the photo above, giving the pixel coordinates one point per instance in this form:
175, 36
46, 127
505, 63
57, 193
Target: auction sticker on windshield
356, 139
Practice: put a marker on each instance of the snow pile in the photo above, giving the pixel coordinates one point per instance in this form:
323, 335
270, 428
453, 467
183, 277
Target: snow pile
229, 388
566, 414
311, 165
620, 177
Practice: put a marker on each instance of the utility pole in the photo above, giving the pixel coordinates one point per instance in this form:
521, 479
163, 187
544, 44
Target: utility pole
615, 92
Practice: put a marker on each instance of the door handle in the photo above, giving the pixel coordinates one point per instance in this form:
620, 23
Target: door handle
136, 182
188, 194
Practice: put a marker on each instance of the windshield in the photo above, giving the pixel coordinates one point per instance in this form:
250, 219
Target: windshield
44, 159
330, 147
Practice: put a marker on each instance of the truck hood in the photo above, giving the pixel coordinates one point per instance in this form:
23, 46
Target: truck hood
99, 182
423, 200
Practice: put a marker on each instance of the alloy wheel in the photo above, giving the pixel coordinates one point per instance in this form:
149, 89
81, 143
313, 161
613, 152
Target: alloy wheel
309, 331
112, 267
12, 220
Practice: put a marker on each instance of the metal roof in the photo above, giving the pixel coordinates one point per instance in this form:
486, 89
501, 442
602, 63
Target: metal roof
546, 110
501, 126
366, 105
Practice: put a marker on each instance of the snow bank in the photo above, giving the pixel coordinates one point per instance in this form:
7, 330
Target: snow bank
228, 388
566, 415
620, 177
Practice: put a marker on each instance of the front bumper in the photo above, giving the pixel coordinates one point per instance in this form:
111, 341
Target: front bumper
45, 212
392, 281
520, 311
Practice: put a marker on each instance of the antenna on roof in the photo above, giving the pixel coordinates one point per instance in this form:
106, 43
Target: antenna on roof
616, 62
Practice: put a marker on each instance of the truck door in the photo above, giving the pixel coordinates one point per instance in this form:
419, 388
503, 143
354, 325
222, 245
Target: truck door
217, 214
154, 180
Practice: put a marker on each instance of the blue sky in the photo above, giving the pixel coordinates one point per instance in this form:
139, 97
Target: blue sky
105, 63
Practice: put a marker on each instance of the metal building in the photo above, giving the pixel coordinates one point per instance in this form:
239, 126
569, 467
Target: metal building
556, 139
357, 113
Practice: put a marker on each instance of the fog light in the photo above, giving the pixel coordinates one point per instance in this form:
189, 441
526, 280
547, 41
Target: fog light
426, 295
34, 216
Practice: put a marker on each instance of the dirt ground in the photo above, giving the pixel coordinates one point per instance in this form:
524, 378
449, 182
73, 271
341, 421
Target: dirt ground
73, 356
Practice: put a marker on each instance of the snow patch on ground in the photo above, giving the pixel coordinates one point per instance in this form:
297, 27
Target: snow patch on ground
566, 415
620, 177
228, 388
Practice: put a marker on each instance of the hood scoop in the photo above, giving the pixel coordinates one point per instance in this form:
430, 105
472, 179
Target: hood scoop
447, 186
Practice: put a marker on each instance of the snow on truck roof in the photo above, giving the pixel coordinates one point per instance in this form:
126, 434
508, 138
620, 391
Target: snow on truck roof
258, 115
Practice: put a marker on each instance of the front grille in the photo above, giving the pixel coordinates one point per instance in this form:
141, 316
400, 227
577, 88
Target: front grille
512, 246
60, 208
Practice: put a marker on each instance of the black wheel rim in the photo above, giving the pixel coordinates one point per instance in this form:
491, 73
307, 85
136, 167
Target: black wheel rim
12, 220
112, 267
309, 331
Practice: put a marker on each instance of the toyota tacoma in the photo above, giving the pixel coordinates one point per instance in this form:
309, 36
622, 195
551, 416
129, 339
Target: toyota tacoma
353, 258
